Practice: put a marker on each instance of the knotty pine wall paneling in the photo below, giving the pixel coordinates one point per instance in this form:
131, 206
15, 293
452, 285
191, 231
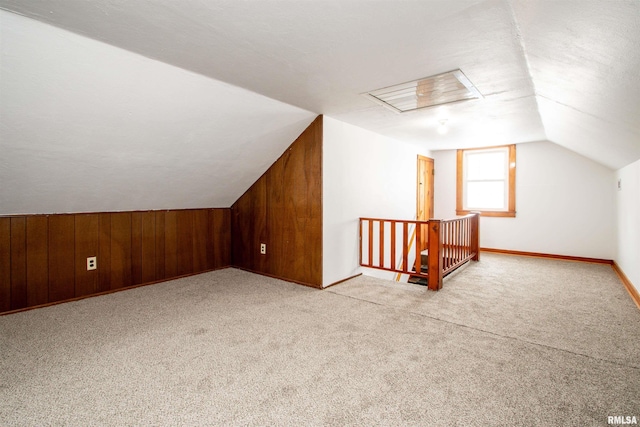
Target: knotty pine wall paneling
121, 253
284, 210
242, 231
260, 262
5, 264
86, 235
160, 244
184, 227
18, 263
143, 247
210, 240
313, 194
221, 237
61, 257
104, 252
171, 244
43, 258
136, 248
276, 249
37, 246
302, 209
201, 247
149, 247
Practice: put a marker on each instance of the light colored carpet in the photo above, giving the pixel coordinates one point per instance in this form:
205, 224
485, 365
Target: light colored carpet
502, 344
574, 306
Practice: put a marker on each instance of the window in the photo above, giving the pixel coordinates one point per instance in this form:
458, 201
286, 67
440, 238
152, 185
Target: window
487, 181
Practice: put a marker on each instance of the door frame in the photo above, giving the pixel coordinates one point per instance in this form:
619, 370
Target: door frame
419, 188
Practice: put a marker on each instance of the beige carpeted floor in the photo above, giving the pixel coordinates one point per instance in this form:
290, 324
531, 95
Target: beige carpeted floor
508, 341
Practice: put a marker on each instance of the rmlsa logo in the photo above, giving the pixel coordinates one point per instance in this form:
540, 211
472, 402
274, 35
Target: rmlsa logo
622, 420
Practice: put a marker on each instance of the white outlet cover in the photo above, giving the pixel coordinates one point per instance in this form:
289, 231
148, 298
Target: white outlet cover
92, 263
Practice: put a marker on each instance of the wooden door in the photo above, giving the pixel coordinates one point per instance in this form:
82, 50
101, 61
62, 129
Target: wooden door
425, 188
424, 209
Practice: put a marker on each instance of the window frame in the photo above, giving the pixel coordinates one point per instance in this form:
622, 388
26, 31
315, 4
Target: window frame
511, 192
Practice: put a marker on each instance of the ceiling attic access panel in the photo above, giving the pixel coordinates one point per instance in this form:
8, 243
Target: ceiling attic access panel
444, 88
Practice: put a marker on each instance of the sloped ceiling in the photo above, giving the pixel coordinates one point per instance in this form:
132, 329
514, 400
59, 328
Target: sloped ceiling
87, 127
564, 71
584, 62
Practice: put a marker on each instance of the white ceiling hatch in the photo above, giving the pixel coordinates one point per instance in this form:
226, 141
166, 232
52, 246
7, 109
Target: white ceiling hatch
564, 71
445, 88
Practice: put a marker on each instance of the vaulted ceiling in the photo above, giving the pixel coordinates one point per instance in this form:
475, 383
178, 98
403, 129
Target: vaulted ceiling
563, 71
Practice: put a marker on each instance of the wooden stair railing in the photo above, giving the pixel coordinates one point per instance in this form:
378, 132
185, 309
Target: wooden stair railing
400, 261
454, 241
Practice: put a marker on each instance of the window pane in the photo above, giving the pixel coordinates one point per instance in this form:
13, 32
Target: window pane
481, 166
486, 195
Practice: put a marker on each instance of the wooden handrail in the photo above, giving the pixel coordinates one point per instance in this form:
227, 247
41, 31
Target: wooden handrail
458, 241
408, 221
453, 241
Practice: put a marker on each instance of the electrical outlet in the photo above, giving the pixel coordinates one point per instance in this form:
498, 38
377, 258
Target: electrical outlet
92, 263
263, 248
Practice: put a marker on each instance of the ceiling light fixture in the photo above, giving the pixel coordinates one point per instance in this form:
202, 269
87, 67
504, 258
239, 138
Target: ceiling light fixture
444, 88
442, 129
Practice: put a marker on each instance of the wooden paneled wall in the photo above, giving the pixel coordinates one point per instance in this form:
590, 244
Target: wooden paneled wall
283, 209
43, 258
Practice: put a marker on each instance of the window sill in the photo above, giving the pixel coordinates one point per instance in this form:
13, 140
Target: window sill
506, 214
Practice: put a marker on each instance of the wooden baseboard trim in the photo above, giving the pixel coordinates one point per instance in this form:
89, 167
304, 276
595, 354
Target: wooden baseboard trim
342, 281
310, 285
633, 292
552, 256
110, 291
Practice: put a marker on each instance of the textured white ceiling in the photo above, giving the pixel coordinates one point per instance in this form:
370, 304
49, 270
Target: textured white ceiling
87, 127
564, 71
584, 60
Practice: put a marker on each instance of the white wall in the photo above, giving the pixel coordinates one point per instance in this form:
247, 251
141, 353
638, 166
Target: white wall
628, 224
364, 175
87, 127
565, 203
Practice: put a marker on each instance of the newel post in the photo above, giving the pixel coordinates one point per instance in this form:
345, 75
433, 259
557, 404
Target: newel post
360, 244
435, 255
475, 236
